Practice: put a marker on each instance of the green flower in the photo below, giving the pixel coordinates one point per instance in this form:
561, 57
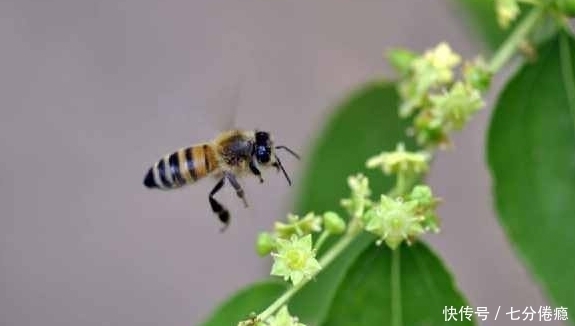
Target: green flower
423, 196
507, 11
400, 161
429, 71
306, 225
444, 60
295, 259
360, 193
283, 318
426, 204
451, 110
394, 220
447, 112
476, 74
413, 89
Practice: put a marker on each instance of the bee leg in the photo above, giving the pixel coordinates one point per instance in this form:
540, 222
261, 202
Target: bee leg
239, 191
256, 171
223, 213
277, 166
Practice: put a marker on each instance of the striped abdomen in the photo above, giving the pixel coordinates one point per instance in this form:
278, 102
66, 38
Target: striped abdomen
182, 167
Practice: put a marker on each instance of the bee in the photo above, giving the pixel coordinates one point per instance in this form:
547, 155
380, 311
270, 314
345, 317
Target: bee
230, 155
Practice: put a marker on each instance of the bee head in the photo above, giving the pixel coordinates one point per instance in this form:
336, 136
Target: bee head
263, 147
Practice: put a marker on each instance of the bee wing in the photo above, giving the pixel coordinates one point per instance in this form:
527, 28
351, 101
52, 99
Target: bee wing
234, 93
221, 109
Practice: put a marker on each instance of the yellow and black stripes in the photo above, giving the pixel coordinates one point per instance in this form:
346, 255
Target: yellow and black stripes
182, 167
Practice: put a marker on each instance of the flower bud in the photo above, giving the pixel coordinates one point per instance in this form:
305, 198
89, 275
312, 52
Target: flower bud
507, 11
333, 223
265, 243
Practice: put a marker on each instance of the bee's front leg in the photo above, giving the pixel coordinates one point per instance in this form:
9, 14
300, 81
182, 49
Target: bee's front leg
277, 166
256, 171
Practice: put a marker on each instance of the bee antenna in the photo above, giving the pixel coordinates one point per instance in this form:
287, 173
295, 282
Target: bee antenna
279, 163
288, 150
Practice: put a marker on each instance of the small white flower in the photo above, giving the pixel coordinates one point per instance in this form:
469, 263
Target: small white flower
400, 161
451, 110
394, 220
295, 259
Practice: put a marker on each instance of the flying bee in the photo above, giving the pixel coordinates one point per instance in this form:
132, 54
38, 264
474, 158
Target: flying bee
230, 155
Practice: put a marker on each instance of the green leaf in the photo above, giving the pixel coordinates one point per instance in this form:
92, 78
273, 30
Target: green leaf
364, 125
253, 298
427, 288
531, 154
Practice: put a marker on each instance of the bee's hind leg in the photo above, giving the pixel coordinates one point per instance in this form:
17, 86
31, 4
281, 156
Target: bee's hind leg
256, 171
239, 191
223, 213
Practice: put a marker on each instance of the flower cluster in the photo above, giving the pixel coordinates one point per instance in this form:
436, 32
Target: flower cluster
441, 100
291, 244
394, 219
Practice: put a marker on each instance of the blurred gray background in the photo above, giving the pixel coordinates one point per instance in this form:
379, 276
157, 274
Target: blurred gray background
93, 92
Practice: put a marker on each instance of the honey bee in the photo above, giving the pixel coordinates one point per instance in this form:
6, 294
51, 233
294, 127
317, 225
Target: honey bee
230, 155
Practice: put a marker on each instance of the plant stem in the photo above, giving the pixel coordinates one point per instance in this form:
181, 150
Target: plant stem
396, 311
507, 49
325, 260
403, 184
322, 237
